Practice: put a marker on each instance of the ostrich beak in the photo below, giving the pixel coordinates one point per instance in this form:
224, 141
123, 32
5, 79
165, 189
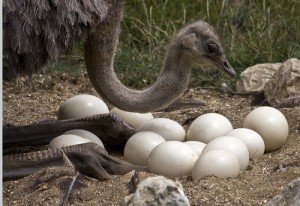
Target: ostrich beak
226, 67
222, 63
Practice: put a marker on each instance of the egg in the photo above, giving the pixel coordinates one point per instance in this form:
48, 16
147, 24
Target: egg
208, 127
87, 135
81, 106
252, 140
167, 128
196, 146
172, 159
233, 145
66, 140
220, 163
138, 147
132, 118
271, 124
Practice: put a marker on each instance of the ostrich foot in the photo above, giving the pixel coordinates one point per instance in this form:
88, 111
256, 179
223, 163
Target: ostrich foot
88, 159
54, 173
92, 160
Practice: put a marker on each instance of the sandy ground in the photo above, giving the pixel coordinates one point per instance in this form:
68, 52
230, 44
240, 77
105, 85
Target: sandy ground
264, 177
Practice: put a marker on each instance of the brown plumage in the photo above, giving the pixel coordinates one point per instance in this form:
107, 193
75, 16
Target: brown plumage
38, 30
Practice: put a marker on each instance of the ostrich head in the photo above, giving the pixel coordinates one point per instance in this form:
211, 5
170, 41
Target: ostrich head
200, 45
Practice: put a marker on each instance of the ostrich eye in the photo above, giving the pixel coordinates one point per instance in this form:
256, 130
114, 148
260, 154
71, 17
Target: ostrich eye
212, 47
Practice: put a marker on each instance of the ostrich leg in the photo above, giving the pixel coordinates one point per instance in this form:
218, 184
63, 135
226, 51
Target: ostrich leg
109, 127
89, 159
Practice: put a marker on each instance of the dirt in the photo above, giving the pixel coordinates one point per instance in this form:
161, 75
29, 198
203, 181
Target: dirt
264, 178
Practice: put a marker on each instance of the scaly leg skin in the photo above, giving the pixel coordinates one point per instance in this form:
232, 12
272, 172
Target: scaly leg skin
88, 159
52, 174
111, 129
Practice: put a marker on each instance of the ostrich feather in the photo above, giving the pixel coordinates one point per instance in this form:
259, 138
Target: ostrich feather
35, 31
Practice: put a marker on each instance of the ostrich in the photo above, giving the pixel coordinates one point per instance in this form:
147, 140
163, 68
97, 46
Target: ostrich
35, 31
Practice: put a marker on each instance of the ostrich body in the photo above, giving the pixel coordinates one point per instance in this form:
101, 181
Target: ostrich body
196, 44
36, 31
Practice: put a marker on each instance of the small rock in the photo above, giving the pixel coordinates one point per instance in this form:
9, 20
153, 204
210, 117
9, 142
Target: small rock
157, 191
290, 195
254, 78
283, 90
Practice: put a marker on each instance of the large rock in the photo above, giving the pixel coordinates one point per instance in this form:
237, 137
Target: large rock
157, 191
254, 78
290, 195
279, 83
283, 89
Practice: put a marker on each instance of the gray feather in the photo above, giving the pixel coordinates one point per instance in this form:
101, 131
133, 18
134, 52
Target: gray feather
38, 30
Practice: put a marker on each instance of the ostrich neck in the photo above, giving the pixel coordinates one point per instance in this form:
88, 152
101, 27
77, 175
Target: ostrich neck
100, 51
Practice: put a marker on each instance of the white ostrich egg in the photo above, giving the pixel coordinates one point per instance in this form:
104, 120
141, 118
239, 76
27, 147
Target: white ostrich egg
87, 135
138, 147
132, 118
196, 146
233, 145
208, 127
81, 106
220, 163
172, 159
167, 128
66, 140
252, 140
271, 124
